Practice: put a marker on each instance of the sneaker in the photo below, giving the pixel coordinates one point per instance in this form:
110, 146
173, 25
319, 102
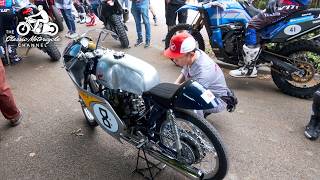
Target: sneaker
147, 45
312, 130
67, 35
244, 72
138, 43
15, 59
73, 35
16, 121
83, 20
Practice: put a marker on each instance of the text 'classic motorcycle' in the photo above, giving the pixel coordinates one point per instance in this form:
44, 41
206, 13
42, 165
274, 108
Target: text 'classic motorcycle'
122, 95
44, 42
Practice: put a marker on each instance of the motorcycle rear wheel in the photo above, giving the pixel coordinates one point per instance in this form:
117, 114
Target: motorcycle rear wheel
200, 135
120, 30
307, 57
58, 19
53, 51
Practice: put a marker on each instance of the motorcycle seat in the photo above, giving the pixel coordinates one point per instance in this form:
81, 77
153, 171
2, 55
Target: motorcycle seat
163, 93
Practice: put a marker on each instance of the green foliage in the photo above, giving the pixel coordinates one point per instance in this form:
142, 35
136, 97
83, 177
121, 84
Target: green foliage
261, 4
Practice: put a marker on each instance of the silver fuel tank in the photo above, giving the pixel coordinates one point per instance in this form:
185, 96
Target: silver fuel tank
117, 70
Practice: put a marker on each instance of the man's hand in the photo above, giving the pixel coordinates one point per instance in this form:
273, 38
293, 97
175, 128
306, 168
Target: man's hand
180, 79
272, 6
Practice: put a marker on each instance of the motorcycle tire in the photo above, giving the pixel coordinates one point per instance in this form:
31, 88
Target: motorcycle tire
187, 27
213, 136
120, 30
58, 19
53, 51
282, 83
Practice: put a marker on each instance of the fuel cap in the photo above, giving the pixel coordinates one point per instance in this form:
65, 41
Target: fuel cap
118, 55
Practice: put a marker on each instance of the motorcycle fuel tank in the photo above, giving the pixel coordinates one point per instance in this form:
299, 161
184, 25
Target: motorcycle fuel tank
117, 70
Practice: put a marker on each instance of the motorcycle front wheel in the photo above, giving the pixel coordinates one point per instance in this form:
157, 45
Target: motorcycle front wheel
202, 146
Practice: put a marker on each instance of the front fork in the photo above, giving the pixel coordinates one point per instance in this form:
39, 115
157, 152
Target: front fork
172, 119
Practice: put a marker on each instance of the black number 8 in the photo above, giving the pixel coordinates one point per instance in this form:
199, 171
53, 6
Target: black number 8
104, 115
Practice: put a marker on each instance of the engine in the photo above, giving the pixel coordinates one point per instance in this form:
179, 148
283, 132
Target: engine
129, 107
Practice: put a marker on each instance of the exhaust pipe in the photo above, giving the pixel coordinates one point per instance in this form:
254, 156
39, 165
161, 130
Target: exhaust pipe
125, 15
280, 66
190, 172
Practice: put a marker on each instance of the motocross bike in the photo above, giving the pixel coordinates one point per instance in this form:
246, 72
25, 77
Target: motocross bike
53, 12
47, 46
288, 45
122, 95
110, 12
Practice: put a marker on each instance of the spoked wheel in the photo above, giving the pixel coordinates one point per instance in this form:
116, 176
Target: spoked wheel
305, 55
202, 146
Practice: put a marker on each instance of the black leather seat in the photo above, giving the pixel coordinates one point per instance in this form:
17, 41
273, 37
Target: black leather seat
163, 93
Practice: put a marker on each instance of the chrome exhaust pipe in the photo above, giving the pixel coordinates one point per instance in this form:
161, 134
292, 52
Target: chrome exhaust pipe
190, 172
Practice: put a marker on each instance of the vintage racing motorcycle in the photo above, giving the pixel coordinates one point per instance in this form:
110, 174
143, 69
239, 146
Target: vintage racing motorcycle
122, 95
289, 46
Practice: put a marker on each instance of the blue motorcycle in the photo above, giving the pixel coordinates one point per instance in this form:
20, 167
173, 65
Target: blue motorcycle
290, 46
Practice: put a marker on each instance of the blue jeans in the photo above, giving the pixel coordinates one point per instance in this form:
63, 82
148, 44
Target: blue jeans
139, 10
95, 9
67, 16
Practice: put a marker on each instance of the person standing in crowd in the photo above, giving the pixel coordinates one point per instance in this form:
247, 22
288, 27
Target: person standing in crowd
8, 106
65, 7
140, 8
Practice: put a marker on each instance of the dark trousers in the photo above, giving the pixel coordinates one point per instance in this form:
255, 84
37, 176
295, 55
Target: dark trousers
316, 105
262, 20
171, 14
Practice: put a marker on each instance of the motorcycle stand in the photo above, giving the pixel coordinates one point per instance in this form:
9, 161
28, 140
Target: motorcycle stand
158, 167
